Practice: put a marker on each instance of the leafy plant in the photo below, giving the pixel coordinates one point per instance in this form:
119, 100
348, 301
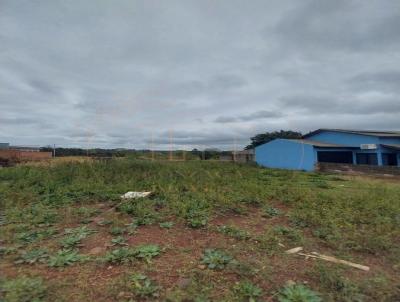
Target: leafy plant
121, 255
143, 210
31, 236
75, 235
65, 258
117, 231
234, 232
131, 227
166, 225
85, 212
143, 287
146, 219
216, 259
147, 252
271, 212
23, 289
71, 241
104, 222
82, 231
197, 214
298, 293
289, 233
247, 291
339, 287
118, 241
126, 254
7, 250
33, 256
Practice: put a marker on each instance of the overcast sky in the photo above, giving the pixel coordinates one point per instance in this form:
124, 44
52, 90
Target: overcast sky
208, 73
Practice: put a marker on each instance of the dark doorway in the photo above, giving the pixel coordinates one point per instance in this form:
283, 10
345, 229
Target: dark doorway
389, 159
340, 157
367, 159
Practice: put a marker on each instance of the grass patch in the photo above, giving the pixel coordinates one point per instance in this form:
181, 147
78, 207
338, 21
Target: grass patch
23, 289
234, 232
354, 218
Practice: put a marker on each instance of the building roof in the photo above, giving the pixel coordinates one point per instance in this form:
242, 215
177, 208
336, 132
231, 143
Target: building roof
392, 146
360, 132
319, 144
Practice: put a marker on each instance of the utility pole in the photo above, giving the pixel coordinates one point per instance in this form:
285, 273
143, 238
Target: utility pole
234, 149
54, 150
152, 146
170, 145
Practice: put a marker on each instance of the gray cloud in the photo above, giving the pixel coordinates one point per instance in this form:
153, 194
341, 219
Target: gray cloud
262, 114
97, 73
341, 25
369, 103
388, 80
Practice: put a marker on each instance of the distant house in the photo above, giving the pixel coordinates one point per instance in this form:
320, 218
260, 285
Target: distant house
243, 156
4, 146
375, 148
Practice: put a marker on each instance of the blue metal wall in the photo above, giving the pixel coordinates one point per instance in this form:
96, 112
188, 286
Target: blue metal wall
286, 154
355, 140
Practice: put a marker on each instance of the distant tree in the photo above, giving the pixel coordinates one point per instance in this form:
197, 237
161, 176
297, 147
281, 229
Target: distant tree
266, 137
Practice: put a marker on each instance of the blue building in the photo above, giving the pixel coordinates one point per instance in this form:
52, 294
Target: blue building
380, 148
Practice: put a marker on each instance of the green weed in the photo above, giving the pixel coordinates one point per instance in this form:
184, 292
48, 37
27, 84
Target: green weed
147, 252
339, 287
234, 232
23, 289
71, 241
143, 287
271, 212
126, 255
35, 235
144, 210
115, 231
82, 231
120, 255
33, 256
74, 236
118, 241
216, 259
65, 258
166, 225
298, 293
7, 250
197, 213
247, 291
